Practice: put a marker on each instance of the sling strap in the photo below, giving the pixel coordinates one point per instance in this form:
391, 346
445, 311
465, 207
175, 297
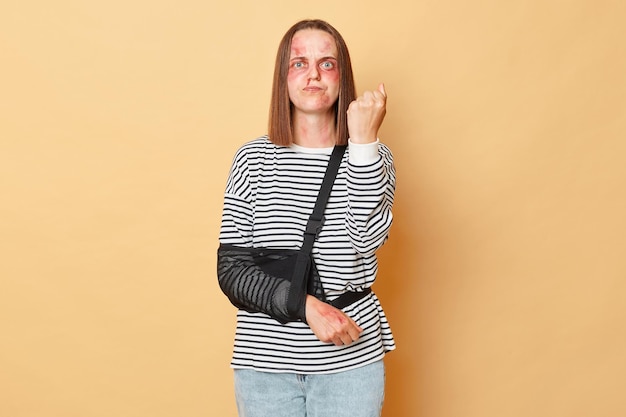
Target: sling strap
298, 289
349, 297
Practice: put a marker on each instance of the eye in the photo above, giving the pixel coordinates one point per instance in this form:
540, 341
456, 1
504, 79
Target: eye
298, 64
327, 65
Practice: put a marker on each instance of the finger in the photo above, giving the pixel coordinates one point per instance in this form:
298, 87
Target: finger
379, 94
381, 88
355, 333
352, 329
338, 341
346, 339
347, 333
368, 96
355, 326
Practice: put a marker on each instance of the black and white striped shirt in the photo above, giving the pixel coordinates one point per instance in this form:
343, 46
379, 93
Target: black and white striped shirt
270, 194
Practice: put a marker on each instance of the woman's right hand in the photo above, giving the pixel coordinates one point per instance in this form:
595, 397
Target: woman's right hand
366, 115
330, 324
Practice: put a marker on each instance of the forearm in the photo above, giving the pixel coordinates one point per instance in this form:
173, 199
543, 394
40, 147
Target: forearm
371, 187
248, 287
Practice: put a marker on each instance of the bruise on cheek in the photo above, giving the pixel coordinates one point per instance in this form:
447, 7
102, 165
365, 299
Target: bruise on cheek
333, 74
293, 73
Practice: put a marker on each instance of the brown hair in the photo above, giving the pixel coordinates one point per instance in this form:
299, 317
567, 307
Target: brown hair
280, 122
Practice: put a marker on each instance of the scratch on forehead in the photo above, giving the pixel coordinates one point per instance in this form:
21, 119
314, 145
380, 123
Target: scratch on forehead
300, 45
297, 47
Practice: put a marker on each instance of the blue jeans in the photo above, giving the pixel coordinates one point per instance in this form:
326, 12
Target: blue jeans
355, 393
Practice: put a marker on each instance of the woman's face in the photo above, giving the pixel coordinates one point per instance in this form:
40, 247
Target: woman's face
313, 77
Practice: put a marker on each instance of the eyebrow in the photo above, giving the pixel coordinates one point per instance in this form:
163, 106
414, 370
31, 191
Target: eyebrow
321, 59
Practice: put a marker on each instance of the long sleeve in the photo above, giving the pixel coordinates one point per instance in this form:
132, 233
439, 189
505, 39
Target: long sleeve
245, 284
237, 212
270, 194
371, 187
256, 279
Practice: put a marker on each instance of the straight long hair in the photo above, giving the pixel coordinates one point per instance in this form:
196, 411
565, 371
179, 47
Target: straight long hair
280, 128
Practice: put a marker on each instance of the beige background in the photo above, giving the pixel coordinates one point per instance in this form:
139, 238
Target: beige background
504, 279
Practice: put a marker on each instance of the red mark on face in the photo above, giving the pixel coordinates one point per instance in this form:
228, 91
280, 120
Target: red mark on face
313, 76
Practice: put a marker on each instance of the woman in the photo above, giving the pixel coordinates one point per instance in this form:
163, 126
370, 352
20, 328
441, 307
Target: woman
327, 361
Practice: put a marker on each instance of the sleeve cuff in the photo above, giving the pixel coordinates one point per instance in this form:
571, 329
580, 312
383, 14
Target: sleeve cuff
363, 153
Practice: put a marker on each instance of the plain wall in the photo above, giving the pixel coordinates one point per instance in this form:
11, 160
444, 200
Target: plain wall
503, 279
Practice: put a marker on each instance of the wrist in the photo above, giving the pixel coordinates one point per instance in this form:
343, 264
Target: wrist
362, 153
362, 140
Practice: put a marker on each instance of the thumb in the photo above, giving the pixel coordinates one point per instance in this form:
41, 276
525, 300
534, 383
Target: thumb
381, 88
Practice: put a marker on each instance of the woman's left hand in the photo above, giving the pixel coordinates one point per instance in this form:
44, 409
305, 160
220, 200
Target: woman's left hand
330, 324
366, 114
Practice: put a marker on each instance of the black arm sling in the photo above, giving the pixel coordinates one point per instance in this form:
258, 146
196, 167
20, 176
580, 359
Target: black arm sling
250, 290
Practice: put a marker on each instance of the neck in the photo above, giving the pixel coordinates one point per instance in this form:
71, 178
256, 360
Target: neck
315, 131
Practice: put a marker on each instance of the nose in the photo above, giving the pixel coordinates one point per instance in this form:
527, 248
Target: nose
314, 73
